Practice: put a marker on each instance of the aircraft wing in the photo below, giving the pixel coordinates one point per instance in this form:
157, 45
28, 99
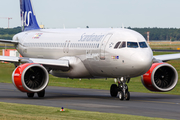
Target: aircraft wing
167, 57
8, 41
59, 64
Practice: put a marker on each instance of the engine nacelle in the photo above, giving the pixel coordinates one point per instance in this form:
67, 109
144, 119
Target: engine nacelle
161, 77
30, 77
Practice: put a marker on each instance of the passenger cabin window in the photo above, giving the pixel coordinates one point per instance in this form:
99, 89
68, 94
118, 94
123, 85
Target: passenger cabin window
143, 44
132, 44
123, 45
117, 45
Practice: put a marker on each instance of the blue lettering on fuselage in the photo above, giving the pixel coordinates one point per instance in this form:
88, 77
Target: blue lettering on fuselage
91, 38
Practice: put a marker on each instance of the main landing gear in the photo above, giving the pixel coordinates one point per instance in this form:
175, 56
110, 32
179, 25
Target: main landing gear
40, 94
122, 88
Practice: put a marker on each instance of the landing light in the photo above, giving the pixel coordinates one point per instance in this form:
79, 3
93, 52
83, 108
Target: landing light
122, 79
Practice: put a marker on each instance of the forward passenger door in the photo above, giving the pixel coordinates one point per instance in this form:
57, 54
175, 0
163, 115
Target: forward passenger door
103, 46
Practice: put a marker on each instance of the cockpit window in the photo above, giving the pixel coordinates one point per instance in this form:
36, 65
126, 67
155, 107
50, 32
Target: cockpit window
143, 44
117, 45
123, 45
132, 44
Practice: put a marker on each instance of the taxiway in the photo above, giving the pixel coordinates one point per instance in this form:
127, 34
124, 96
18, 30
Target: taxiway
142, 104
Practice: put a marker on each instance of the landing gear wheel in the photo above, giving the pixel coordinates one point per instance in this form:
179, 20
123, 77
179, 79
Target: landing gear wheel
126, 87
121, 95
127, 95
114, 90
30, 95
41, 94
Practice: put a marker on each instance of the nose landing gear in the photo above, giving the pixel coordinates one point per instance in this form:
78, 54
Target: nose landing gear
122, 88
114, 90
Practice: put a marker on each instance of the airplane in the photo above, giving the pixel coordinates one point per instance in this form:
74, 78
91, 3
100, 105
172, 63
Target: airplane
85, 53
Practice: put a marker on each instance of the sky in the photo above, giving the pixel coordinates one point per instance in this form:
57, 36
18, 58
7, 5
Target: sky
96, 13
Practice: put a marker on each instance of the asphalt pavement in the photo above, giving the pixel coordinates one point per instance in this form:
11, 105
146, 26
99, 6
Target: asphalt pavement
142, 104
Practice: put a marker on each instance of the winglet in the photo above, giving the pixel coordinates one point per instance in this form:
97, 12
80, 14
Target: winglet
28, 17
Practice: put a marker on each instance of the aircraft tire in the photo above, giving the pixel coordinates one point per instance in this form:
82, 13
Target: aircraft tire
126, 87
121, 95
30, 95
127, 95
41, 94
114, 90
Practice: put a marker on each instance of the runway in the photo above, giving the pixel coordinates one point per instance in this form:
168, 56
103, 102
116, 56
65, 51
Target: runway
142, 104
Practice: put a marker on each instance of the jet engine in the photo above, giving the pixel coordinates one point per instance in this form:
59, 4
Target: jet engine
161, 77
30, 77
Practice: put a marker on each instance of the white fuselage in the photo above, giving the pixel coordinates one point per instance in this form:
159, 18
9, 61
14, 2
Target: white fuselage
91, 52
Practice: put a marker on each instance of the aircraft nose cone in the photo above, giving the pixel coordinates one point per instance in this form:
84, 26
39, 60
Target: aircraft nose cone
142, 62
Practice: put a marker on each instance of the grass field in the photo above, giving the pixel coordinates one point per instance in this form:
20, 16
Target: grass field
11, 111
2, 44
167, 45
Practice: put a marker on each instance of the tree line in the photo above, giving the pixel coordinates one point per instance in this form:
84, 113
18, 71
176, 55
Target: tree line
155, 33
8, 33
160, 33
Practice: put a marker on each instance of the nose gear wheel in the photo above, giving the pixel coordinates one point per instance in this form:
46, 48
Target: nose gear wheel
121, 88
121, 95
114, 90
127, 95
